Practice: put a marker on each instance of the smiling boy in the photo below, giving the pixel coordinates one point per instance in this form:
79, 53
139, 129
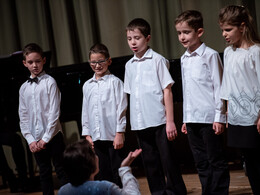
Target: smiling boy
203, 110
104, 114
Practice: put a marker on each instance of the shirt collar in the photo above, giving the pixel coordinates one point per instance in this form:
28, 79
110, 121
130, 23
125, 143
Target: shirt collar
148, 54
199, 51
40, 76
105, 77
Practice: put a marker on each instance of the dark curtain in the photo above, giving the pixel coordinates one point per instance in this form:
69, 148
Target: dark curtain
68, 28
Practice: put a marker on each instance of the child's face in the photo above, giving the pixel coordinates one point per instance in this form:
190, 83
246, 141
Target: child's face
232, 34
188, 37
34, 62
99, 64
137, 42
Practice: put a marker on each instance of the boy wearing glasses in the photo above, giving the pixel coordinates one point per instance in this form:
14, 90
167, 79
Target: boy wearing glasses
104, 114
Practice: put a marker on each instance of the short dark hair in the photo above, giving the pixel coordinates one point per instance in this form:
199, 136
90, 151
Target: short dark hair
140, 24
79, 162
31, 48
99, 48
193, 18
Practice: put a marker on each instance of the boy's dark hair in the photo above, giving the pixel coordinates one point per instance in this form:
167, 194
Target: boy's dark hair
99, 48
140, 24
31, 48
193, 18
79, 162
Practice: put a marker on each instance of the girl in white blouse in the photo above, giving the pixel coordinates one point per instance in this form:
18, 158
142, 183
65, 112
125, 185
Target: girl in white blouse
241, 87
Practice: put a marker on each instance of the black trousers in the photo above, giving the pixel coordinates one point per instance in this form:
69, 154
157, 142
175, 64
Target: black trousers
5, 170
161, 167
13, 140
109, 161
252, 162
247, 139
208, 153
53, 153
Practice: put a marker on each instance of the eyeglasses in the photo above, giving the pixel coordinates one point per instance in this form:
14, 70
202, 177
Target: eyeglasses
101, 62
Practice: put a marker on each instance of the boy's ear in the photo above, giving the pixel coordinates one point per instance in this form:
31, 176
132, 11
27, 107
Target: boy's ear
24, 63
148, 38
109, 61
44, 60
200, 32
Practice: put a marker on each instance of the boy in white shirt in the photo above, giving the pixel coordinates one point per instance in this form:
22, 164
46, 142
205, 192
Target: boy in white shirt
149, 83
104, 114
39, 110
203, 110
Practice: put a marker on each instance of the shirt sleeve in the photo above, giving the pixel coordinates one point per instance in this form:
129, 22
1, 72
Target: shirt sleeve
84, 115
256, 62
54, 110
130, 183
216, 76
126, 80
224, 91
24, 117
121, 106
165, 77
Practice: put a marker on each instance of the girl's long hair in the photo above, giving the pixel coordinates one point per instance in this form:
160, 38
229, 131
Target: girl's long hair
235, 15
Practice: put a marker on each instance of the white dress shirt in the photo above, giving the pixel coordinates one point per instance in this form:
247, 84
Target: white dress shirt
39, 109
241, 84
201, 81
145, 80
104, 107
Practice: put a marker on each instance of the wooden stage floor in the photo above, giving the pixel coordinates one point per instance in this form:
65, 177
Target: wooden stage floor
239, 185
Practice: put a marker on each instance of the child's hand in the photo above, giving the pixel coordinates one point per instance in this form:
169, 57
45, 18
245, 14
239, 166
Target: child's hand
171, 131
130, 158
41, 144
183, 128
118, 141
88, 137
258, 125
33, 147
227, 119
218, 128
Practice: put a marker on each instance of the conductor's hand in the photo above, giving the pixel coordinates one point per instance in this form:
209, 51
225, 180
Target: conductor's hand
130, 158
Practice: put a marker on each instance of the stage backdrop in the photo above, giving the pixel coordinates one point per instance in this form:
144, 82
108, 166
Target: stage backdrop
68, 28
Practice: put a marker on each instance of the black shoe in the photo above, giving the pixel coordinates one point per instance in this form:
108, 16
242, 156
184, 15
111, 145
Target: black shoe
13, 185
12, 182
